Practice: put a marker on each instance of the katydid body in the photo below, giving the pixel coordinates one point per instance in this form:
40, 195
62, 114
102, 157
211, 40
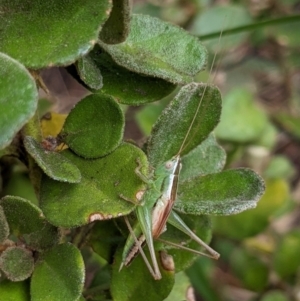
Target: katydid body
153, 215
158, 201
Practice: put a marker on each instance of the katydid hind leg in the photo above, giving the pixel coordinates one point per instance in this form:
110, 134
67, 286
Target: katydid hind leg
177, 222
181, 247
156, 275
144, 215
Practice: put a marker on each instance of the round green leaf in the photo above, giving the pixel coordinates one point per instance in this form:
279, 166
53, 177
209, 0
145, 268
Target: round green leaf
100, 194
159, 49
16, 263
89, 72
46, 33
22, 215
4, 228
241, 120
126, 86
18, 97
185, 123
94, 128
286, 258
14, 291
116, 28
252, 222
206, 158
58, 275
27, 221
225, 193
135, 283
52, 163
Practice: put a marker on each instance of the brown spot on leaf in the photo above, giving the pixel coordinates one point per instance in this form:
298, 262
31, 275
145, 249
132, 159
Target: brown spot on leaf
139, 195
96, 217
99, 217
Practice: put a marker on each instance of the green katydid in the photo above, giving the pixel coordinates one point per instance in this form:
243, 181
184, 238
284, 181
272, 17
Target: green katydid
158, 200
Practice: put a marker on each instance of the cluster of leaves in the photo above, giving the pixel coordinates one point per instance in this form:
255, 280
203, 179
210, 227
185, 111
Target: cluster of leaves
122, 59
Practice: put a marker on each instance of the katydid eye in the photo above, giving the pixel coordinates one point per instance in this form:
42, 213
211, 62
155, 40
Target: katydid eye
169, 165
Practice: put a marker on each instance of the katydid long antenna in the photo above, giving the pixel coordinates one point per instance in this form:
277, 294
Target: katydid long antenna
203, 94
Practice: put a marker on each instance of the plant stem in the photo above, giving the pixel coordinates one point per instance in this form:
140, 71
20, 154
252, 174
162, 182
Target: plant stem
249, 27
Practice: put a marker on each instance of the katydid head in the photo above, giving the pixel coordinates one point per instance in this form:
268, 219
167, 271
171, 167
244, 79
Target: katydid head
172, 164
169, 167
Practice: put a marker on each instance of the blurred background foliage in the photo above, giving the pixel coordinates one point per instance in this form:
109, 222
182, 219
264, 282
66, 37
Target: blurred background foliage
258, 72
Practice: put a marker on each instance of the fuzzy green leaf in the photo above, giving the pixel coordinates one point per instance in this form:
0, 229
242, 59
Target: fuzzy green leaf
206, 158
18, 97
58, 275
4, 228
27, 221
14, 291
89, 72
159, 49
225, 193
52, 163
240, 226
46, 33
241, 120
16, 263
127, 86
22, 215
94, 128
116, 28
135, 283
185, 123
98, 195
